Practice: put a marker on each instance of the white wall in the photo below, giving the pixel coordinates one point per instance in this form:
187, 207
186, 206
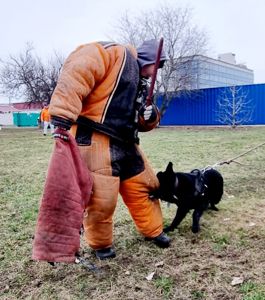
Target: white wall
6, 119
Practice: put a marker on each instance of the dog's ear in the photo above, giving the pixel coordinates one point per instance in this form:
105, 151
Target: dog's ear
169, 167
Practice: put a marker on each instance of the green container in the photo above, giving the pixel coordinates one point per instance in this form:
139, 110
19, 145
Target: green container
23, 119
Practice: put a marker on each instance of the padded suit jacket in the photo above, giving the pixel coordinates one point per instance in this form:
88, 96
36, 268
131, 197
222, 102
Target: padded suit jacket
45, 116
100, 82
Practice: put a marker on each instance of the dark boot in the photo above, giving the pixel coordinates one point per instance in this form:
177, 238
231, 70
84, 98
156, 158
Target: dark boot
162, 240
105, 253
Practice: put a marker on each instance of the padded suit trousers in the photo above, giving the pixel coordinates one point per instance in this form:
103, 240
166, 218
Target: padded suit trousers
118, 168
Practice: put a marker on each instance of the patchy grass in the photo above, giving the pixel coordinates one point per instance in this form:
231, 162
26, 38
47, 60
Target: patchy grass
230, 244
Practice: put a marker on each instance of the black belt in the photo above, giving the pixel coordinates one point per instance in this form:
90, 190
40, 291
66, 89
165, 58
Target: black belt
105, 129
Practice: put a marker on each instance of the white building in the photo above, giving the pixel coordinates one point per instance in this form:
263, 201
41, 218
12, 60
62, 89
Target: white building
6, 114
199, 72
209, 72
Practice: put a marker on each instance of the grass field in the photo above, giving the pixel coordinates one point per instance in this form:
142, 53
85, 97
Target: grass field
230, 245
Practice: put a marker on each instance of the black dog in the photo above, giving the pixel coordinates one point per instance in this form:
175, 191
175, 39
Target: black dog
195, 190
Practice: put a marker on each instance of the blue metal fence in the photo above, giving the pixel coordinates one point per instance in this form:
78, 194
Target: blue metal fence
200, 107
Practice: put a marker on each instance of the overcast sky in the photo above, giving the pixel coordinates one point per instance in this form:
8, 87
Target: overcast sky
236, 26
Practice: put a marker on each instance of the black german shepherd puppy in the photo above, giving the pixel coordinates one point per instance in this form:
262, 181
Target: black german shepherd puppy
195, 190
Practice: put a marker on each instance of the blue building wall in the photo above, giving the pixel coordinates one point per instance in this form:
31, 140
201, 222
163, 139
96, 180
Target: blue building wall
200, 107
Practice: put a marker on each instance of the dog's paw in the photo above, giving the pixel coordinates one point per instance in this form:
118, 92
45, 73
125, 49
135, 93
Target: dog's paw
195, 229
168, 229
213, 207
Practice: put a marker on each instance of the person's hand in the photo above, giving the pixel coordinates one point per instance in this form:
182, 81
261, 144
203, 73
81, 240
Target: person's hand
62, 126
147, 112
148, 117
61, 133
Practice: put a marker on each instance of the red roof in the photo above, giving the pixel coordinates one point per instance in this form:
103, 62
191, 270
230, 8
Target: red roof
5, 108
27, 106
22, 106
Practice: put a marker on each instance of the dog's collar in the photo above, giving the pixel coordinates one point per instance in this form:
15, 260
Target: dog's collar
176, 183
175, 186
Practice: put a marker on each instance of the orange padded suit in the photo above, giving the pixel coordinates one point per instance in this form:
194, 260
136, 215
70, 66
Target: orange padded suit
99, 83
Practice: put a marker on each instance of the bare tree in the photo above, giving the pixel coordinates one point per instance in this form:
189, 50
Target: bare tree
26, 75
234, 107
182, 41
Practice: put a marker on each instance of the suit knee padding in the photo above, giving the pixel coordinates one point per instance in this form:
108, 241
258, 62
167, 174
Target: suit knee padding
98, 223
146, 213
